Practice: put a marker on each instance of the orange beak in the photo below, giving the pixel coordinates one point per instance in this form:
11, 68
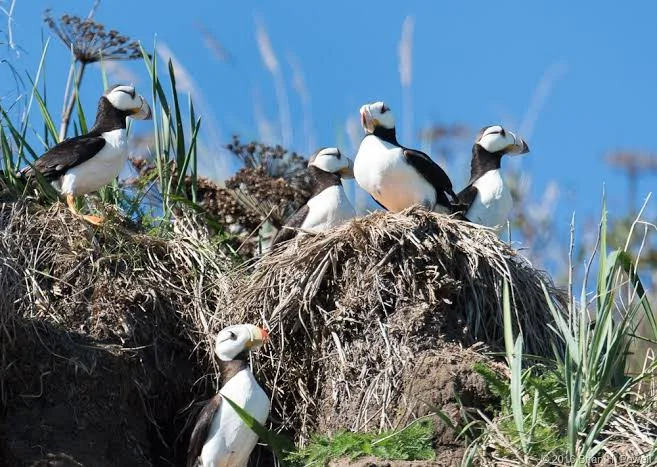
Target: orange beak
264, 335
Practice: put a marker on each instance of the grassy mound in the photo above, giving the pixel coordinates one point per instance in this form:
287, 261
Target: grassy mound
103, 337
362, 315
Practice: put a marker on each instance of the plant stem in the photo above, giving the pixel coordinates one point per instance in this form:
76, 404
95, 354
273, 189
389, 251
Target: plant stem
66, 117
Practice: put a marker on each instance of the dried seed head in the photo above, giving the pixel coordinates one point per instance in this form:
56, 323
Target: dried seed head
90, 41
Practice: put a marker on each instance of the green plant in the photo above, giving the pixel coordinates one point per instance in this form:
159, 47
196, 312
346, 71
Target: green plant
414, 442
581, 406
173, 158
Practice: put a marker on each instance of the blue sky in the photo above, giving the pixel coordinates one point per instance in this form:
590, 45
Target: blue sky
581, 80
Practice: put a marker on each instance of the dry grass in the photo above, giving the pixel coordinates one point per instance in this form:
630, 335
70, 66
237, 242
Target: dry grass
353, 309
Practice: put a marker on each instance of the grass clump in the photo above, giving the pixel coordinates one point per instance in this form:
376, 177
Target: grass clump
580, 407
414, 442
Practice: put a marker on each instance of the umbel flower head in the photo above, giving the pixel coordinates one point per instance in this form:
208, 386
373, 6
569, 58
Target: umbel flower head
90, 41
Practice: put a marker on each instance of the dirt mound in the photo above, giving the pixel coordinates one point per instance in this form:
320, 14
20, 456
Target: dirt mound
100, 338
372, 322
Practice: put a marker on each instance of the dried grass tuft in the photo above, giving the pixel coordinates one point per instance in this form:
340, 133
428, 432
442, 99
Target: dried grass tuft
352, 311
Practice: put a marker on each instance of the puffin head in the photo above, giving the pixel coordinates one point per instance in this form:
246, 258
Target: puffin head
496, 140
332, 161
234, 340
126, 99
376, 115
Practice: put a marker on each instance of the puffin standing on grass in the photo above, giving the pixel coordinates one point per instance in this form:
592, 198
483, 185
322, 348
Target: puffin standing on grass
220, 437
84, 164
398, 177
329, 206
486, 198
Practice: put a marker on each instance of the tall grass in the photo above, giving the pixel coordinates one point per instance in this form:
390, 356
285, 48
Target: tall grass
581, 407
175, 154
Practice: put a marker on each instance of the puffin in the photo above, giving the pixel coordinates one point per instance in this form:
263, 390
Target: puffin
84, 164
328, 206
486, 199
398, 177
220, 438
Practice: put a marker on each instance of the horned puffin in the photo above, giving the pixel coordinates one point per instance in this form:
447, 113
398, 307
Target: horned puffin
328, 206
486, 199
397, 177
220, 438
85, 163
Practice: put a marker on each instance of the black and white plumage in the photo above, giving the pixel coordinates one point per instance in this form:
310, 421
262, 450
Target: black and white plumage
84, 164
398, 177
328, 206
486, 199
220, 438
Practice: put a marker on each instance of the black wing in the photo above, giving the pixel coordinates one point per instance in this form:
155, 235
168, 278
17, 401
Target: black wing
432, 172
379, 203
201, 429
465, 198
69, 153
295, 221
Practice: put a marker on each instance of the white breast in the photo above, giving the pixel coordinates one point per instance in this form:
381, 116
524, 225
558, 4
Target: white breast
328, 209
101, 169
381, 169
492, 205
230, 441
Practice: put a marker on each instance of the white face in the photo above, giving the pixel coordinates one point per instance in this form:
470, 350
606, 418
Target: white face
376, 114
233, 340
495, 139
332, 161
126, 98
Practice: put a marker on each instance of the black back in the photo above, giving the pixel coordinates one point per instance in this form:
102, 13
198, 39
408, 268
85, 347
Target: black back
432, 172
74, 151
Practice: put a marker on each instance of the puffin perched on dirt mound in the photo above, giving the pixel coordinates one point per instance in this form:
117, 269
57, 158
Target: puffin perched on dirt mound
487, 200
86, 163
398, 177
329, 206
220, 437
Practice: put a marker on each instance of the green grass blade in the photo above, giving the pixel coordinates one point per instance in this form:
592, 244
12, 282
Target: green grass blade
508, 324
45, 113
516, 392
188, 158
194, 154
280, 444
180, 133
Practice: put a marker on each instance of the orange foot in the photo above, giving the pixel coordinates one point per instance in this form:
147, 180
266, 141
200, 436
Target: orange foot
95, 220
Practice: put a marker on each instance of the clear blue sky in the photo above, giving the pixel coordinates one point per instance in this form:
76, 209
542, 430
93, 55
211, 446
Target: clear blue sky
474, 63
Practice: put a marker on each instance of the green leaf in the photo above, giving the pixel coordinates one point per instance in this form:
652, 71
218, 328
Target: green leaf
280, 444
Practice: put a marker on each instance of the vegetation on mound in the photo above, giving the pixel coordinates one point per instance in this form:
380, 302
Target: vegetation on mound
580, 407
413, 442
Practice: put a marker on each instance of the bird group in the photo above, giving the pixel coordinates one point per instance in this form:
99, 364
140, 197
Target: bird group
398, 177
395, 176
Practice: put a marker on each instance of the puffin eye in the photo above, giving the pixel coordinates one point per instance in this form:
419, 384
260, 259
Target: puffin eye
384, 109
503, 133
233, 336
